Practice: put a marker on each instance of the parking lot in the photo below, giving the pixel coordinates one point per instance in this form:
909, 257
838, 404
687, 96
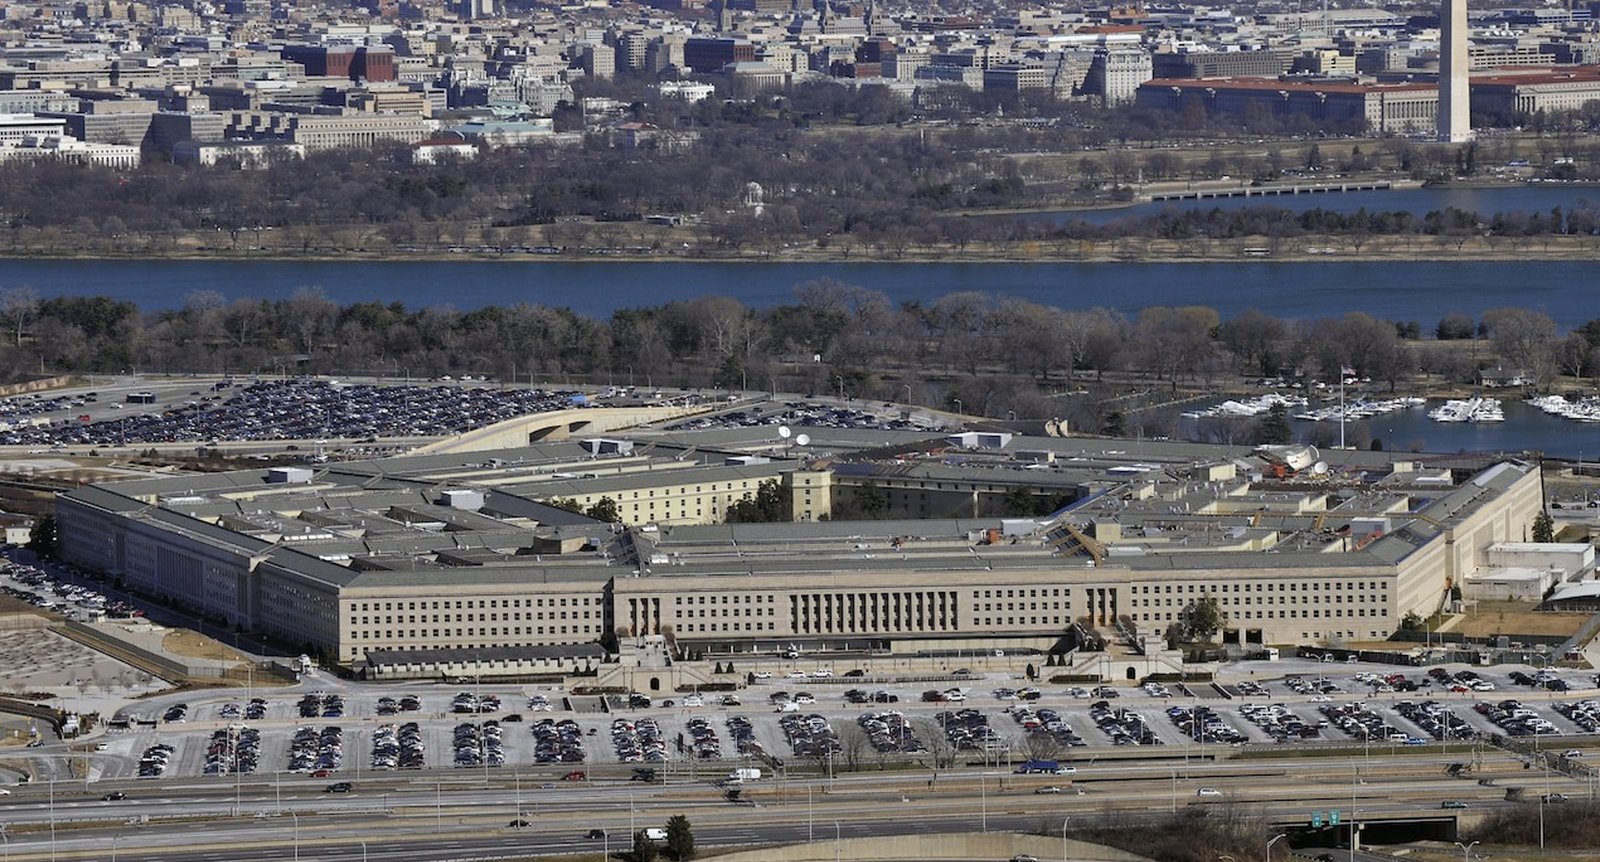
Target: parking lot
293, 408
361, 731
806, 414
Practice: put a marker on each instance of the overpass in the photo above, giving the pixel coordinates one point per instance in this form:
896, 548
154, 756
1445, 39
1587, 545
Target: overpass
558, 425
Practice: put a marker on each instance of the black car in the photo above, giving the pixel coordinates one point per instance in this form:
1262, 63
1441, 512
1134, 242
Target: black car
339, 787
597, 833
114, 796
519, 823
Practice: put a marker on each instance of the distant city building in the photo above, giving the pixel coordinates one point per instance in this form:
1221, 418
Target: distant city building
706, 56
111, 120
1513, 98
358, 63
246, 154
1386, 108
1115, 75
1221, 64
15, 127
434, 150
686, 90
70, 150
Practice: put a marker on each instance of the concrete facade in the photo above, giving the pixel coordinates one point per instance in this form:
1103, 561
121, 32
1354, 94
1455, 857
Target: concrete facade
444, 551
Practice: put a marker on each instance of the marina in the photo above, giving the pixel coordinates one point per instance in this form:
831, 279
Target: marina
1580, 410
1469, 410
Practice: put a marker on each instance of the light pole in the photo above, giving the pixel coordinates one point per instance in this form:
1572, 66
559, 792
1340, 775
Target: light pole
809, 834
838, 844
1355, 826
983, 797
363, 850
1064, 822
1273, 841
958, 404
840, 379
1174, 771
1466, 850
296, 817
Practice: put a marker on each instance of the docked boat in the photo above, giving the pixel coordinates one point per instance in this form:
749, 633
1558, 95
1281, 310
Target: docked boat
1469, 410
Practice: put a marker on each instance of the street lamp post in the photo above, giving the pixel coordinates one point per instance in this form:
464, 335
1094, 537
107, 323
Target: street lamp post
1064, 822
1273, 841
363, 850
983, 798
838, 844
296, 817
1466, 850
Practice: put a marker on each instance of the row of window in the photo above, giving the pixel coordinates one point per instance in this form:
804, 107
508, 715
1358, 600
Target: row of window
1248, 601
470, 604
1058, 620
472, 618
1270, 615
728, 627
1255, 587
510, 631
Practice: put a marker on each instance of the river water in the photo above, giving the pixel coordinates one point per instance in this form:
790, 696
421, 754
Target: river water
1420, 291
1406, 291
1525, 429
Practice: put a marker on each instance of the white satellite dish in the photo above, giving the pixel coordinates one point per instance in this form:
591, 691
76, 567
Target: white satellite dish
803, 440
784, 432
1320, 468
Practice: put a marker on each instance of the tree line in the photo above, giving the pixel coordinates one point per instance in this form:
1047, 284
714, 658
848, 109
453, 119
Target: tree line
995, 355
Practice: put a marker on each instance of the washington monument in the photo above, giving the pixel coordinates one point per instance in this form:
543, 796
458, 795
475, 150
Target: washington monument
1455, 122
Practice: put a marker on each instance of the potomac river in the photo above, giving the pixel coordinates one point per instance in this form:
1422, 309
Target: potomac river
1422, 291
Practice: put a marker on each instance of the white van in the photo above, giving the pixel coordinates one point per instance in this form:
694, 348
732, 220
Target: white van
655, 833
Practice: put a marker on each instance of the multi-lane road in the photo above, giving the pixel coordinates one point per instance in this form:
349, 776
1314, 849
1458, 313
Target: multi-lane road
448, 815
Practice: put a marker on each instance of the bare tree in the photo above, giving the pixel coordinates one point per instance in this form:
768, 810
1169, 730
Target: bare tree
1524, 338
19, 305
854, 746
940, 752
1041, 745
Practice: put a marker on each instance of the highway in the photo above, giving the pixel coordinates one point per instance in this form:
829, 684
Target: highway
447, 815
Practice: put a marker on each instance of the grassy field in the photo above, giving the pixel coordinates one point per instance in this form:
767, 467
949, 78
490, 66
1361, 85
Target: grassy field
1516, 618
